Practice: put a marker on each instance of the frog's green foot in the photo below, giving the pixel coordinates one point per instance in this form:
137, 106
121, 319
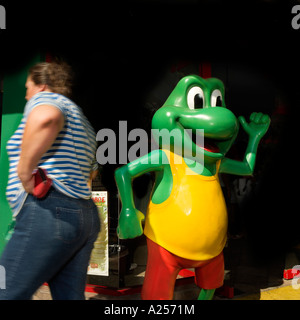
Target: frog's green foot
206, 294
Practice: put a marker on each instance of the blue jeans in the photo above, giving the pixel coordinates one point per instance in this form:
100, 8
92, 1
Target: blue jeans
52, 242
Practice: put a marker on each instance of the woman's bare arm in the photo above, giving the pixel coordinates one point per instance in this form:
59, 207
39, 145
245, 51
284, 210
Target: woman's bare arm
42, 128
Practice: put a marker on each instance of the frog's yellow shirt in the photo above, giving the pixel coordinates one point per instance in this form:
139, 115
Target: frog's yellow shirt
192, 222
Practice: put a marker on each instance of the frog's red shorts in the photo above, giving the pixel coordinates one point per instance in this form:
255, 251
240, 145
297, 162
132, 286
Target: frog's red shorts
163, 268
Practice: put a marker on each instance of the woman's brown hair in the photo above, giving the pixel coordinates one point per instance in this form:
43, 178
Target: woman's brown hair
56, 75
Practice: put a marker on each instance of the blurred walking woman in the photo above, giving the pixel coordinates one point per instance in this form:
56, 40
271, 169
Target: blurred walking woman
54, 234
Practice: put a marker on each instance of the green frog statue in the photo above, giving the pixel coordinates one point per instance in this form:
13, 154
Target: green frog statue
186, 220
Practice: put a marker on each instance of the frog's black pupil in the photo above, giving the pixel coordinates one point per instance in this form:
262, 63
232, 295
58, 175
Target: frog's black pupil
219, 102
198, 101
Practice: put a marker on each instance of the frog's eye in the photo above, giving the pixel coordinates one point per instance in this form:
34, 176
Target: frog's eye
216, 98
195, 98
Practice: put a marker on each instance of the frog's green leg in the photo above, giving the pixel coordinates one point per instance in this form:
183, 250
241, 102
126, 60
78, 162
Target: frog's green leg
206, 294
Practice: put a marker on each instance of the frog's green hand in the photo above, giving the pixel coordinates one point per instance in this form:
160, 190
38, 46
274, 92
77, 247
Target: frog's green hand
130, 219
130, 223
258, 125
256, 129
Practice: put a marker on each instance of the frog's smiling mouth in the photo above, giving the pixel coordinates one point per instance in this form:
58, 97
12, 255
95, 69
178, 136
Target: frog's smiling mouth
210, 145
215, 128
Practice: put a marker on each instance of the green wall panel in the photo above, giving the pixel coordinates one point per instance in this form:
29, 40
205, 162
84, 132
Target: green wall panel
12, 109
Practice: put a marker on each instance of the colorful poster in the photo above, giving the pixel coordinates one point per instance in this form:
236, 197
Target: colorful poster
99, 257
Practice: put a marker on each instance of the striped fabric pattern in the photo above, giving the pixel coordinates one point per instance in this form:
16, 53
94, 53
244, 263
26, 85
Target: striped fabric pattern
70, 159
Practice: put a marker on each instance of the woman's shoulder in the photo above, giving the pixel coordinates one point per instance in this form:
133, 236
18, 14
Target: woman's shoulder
48, 98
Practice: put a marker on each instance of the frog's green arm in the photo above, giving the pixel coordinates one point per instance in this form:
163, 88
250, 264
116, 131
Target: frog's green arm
245, 167
130, 218
153, 161
256, 129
